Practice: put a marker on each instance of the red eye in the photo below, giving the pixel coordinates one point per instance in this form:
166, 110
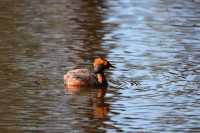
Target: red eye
107, 65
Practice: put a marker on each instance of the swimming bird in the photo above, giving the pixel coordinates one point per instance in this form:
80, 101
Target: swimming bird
81, 78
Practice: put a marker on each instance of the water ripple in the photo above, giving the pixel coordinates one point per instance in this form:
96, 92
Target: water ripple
154, 45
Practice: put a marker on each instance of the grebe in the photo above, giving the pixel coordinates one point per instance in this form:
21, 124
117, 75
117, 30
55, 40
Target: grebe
80, 78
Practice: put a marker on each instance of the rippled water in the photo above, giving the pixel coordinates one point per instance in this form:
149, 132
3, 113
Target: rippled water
153, 43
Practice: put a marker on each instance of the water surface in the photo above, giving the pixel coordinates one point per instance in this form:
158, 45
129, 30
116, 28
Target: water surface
154, 43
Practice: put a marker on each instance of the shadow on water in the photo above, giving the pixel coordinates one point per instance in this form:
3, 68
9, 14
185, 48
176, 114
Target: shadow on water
154, 43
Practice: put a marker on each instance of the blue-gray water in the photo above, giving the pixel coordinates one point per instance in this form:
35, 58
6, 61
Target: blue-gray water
155, 43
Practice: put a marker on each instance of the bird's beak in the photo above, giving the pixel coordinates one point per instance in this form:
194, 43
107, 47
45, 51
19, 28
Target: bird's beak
110, 65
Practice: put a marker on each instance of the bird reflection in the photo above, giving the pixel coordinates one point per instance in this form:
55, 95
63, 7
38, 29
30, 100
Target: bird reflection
100, 108
96, 101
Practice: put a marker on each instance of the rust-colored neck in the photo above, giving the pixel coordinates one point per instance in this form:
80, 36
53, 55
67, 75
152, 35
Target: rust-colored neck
101, 79
102, 85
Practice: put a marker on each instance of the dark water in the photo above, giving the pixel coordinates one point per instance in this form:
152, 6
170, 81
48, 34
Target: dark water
153, 42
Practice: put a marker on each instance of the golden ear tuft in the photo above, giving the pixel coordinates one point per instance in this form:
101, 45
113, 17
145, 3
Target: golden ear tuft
99, 61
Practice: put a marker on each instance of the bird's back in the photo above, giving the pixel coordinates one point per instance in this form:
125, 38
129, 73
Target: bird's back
79, 77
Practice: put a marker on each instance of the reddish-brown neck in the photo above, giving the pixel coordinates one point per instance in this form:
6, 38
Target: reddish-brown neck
101, 78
